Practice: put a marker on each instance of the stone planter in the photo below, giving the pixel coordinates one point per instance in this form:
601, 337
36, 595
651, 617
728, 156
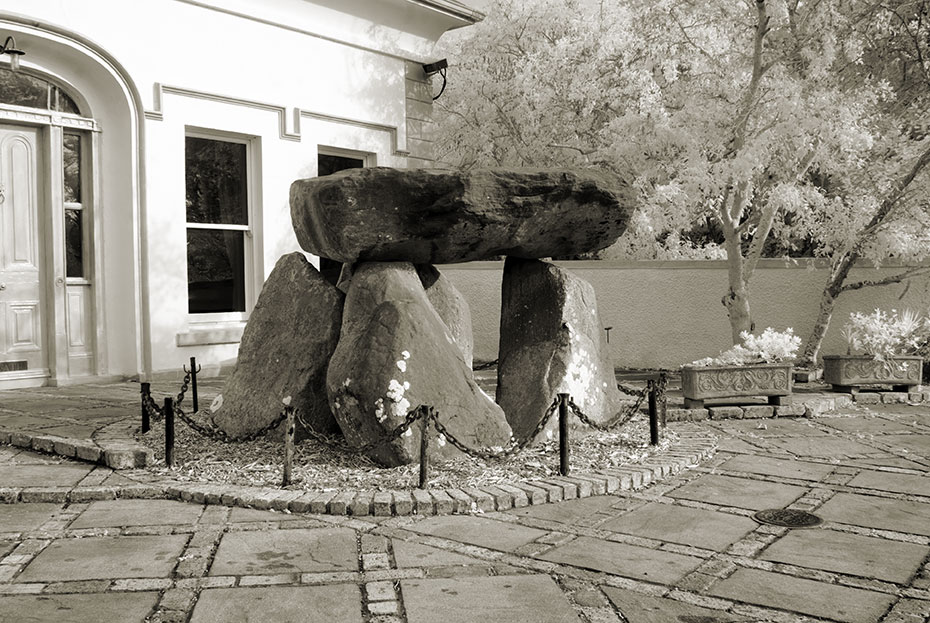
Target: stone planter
848, 372
766, 379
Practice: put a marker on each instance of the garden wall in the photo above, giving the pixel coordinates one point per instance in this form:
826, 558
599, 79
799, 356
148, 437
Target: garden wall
665, 313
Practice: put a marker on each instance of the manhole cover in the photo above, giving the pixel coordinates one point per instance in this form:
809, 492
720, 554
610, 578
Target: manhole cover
788, 518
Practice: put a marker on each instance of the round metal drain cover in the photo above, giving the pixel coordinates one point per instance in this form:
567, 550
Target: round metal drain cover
788, 518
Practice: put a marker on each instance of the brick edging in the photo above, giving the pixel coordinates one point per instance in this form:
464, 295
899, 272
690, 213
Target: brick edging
113, 454
692, 448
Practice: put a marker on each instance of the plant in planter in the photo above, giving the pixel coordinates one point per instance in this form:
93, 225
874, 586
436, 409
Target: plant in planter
882, 349
758, 366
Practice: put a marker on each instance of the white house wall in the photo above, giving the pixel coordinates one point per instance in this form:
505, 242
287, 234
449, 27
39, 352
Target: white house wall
269, 72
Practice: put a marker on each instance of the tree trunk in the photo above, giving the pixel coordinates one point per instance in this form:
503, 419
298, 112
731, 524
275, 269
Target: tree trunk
737, 303
833, 289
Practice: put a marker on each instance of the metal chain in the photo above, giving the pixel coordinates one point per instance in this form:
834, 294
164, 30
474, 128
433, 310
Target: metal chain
414, 415
620, 418
155, 412
485, 366
514, 447
184, 386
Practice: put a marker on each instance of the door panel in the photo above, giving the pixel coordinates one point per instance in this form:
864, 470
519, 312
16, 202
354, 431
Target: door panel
22, 304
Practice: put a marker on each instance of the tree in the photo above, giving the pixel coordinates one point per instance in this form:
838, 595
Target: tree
880, 210
743, 113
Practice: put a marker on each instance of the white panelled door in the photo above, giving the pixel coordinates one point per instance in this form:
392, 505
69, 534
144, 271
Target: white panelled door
22, 300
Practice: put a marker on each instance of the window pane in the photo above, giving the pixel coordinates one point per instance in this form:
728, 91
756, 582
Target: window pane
327, 164
21, 89
215, 271
72, 164
63, 103
216, 182
74, 243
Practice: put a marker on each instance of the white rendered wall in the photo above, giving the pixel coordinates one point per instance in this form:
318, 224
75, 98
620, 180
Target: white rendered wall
665, 314
266, 71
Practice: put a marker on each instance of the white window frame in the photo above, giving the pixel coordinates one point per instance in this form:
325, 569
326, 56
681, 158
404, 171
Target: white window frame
250, 251
369, 159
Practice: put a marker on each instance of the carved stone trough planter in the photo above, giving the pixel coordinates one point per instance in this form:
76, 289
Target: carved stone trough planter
699, 383
847, 373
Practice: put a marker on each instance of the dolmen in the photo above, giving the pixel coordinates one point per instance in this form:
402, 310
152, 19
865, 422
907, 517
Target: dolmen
395, 334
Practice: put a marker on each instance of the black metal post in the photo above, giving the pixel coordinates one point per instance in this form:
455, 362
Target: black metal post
653, 414
145, 391
169, 432
563, 435
663, 398
194, 383
424, 448
288, 443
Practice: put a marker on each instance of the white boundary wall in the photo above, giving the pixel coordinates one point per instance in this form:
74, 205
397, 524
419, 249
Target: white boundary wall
665, 313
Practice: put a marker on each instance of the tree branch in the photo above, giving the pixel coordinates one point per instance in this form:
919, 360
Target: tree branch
868, 283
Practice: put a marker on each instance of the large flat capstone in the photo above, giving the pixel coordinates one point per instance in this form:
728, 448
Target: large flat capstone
445, 216
551, 341
285, 348
396, 353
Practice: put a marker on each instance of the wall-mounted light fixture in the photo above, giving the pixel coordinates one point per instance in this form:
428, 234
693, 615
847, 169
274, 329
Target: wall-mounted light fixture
439, 67
9, 47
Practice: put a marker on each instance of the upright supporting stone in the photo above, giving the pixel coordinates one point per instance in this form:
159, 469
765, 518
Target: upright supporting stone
551, 341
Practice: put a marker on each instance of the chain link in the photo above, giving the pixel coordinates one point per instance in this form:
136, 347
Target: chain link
485, 366
414, 415
184, 385
514, 447
622, 417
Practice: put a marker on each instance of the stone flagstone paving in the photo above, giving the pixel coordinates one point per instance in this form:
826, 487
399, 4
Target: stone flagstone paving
683, 550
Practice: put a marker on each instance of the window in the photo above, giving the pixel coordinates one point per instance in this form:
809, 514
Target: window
74, 206
218, 228
327, 164
21, 89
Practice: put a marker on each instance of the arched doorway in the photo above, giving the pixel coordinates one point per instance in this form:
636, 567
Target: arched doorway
46, 232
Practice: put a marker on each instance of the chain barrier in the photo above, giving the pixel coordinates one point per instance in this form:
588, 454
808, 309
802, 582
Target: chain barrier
413, 415
185, 384
485, 366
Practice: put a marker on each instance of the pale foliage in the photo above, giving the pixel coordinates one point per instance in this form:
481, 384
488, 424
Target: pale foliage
782, 133
770, 347
883, 335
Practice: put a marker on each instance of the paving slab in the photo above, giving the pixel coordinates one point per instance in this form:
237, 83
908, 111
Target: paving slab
72, 431
870, 425
840, 603
478, 531
891, 461
96, 558
783, 468
26, 517
337, 603
679, 524
23, 422
889, 481
6, 547
242, 515
918, 445
622, 559
572, 511
286, 551
739, 492
117, 513
823, 447
640, 608
773, 427
514, 599
852, 554
875, 512
408, 554
97, 607
40, 475
733, 444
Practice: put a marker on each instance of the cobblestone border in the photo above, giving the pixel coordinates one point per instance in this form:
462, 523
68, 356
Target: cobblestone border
115, 454
802, 405
694, 446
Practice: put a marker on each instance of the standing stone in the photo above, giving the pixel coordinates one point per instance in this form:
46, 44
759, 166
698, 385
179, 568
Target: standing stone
441, 216
451, 307
394, 354
551, 341
285, 348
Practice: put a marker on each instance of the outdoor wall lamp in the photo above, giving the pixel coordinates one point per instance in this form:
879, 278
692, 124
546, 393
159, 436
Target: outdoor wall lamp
9, 47
439, 67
